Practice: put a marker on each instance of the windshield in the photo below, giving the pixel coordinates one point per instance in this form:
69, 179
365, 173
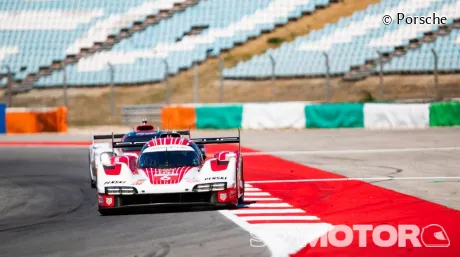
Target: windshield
169, 159
137, 139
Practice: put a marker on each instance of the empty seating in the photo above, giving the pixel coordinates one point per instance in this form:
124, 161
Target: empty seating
349, 42
225, 22
422, 60
35, 33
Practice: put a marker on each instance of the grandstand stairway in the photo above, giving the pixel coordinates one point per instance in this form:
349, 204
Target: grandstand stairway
27, 83
360, 72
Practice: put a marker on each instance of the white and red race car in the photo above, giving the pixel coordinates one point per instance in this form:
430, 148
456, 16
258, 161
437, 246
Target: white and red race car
171, 170
103, 150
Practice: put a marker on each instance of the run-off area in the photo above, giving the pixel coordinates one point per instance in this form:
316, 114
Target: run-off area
308, 193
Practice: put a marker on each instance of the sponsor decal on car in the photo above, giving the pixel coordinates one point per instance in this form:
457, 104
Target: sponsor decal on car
114, 182
216, 178
166, 175
138, 182
223, 196
101, 199
192, 180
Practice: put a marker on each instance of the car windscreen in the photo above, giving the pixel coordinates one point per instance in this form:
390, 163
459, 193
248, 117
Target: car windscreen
137, 139
169, 159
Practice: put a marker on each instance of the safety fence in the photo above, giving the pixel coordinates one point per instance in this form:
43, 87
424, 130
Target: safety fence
298, 115
33, 120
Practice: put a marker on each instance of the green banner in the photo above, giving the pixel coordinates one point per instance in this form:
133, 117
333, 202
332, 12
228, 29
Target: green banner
445, 114
340, 115
219, 117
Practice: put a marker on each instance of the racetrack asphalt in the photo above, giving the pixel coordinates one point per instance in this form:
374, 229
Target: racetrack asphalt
49, 209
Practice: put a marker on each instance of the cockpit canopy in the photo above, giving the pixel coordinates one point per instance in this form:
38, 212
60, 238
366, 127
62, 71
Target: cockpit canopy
169, 156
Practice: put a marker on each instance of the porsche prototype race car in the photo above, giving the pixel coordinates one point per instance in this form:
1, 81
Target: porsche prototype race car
170, 170
103, 150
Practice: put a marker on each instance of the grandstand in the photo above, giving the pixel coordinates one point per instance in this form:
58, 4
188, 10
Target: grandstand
140, 38
355, 40
39, 37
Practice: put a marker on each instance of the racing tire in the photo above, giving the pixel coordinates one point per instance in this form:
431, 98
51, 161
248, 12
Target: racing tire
93, 184
241, 198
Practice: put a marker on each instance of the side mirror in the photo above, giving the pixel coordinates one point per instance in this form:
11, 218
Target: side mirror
203, 152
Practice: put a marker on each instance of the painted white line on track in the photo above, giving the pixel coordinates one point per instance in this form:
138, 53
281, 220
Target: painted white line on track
256, 194
275, 249
355, 151
251, 189
252, 218
269, 205
249, 211
353, 179
261, 199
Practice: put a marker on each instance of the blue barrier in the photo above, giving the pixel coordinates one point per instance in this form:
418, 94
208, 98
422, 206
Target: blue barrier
2, 118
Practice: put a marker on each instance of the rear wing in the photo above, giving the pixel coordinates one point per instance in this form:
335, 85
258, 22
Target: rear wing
128, 144
198, 141
219, 140
172, 133
99, 137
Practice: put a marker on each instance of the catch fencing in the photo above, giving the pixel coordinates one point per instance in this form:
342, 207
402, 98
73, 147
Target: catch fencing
133, 114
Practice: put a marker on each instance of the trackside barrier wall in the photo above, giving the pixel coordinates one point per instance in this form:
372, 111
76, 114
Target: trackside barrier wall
273, 115
445, 114
341, 115
385, 116
2, 118
219, 116
307, 115
36, 120
178, 117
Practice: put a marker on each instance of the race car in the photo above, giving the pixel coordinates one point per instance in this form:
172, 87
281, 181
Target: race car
170, 170
103, 150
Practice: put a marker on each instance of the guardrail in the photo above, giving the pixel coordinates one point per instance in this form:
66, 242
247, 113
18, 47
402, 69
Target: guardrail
133, 114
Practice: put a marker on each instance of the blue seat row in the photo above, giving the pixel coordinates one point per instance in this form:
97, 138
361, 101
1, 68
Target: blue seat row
141, 57
35, 33
349, 42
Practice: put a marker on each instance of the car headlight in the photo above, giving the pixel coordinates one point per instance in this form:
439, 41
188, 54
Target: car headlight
210, 187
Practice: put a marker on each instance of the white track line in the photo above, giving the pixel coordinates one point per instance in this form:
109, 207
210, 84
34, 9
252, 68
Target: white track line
249, 211
353, 179
256, 194
251, 189
261, 199
269, 205
356, 151
249, 218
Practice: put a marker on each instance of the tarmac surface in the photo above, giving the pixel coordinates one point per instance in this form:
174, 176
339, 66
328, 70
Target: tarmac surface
49, 209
